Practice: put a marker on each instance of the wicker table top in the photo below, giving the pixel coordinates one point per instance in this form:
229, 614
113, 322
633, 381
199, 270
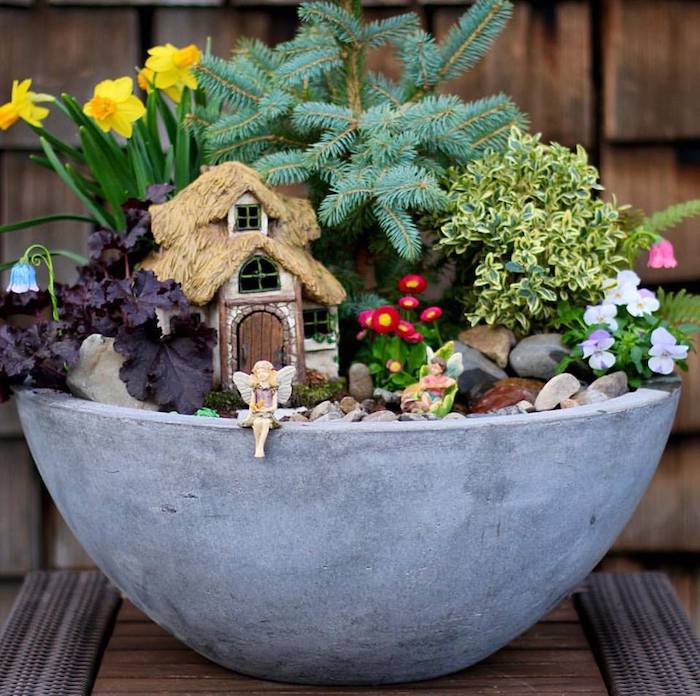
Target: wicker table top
623, 634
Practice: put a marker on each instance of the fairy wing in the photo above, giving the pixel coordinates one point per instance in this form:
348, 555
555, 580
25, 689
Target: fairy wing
242, 382
455, 365
284, 383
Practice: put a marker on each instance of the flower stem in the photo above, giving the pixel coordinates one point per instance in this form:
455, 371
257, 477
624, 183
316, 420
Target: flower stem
36, 254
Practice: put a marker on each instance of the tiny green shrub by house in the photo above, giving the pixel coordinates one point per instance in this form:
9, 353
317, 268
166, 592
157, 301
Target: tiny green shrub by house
527, 231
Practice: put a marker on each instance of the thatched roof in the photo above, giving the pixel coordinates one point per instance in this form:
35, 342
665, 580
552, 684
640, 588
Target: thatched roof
196, 249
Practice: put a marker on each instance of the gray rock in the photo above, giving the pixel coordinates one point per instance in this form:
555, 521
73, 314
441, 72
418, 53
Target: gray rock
96, 376
506, 411
380, 417
454, 416
348, 403
525, 406
369, 405
355, 415
298, 418
558, 388
313, 564
479, 372
589, 396
495, 342
612, 385
360, 384
322, 409
538, 356
387, 396
330, 416
417, 417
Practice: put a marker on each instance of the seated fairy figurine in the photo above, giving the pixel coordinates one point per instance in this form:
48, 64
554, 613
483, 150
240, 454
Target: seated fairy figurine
263, 389
435, 391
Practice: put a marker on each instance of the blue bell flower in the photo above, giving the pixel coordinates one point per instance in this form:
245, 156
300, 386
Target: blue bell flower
22, 278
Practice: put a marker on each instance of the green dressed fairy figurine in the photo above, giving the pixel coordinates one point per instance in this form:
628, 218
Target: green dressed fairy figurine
436, 390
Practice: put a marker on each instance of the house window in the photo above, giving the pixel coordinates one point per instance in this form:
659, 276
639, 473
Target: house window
258, 274
248, 216
317, 322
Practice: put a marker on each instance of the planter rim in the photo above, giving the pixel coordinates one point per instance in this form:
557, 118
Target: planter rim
641, 397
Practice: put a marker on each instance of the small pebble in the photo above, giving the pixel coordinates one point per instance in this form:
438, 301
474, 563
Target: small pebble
560, 387
568, 403
347, 404
380, 417
355, 415
298, 418
525, 406
454, 416
330, 416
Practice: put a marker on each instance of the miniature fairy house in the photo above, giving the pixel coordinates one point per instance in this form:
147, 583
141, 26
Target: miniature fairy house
240, 250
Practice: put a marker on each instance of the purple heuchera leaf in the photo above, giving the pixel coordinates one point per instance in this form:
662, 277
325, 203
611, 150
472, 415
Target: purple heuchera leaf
139, 297
175, 369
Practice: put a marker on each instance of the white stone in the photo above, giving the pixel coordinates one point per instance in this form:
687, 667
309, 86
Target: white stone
96, 376
560, 387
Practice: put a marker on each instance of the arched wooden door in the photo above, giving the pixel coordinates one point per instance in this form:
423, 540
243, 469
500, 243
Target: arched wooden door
260, 337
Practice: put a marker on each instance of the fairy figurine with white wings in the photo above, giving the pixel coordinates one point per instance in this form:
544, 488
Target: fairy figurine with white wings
264, 389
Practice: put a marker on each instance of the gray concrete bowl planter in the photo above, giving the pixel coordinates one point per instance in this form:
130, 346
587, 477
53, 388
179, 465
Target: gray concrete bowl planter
353, 553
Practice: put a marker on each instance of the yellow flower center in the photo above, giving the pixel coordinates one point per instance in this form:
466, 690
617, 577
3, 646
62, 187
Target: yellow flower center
185, 57
384, 320
412, 284
102, 107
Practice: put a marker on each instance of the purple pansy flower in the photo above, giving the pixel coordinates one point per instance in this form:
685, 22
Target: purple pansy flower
664, 350
595, 349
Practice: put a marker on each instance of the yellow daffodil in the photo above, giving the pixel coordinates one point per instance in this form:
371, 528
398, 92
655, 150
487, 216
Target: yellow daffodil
23, 104
114, 106
146, 79
173, 66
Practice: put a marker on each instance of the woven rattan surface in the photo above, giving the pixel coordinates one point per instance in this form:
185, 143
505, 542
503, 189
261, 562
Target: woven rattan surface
643, 640
51, 642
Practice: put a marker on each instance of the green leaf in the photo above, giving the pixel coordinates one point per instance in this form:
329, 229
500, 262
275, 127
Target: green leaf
80, 260
98, 213
32, 222
102, 171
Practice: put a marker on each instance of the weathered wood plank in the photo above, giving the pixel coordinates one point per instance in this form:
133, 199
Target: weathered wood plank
64, 50
20, 510
652, 178
225, 26
650, 54
63, 550
552, 658
543, 61
27, 190
668, 518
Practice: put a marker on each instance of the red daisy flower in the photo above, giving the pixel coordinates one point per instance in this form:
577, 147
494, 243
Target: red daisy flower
415, 337
430, 314
365, 318
384, 319
405, 328
394, 366
408, 302
413, 283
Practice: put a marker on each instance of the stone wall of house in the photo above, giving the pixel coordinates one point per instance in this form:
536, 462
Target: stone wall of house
618, 76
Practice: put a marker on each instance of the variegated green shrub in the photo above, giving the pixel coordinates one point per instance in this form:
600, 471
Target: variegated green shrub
526, 231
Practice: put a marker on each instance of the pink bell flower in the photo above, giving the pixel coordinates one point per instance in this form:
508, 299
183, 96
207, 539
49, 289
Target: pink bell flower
661, 255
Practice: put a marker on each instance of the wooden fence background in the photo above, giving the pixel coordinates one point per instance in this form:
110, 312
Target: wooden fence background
618, 76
